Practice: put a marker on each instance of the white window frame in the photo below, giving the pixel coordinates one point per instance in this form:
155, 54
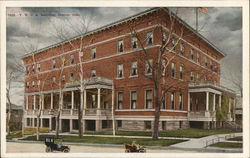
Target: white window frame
146, 99
172, 100
93, 73
191, 76
120, 42
93, 53
38, 83
150, 35
198, 58
120, 66
118, 101
198, 76
180, 101
163, 104
63, 77
33, 83
181, 72
134, 66
71, 76
72, 59
147, 67
53, 64
134, 40
173, 73
131, 106
182, 48
38, 67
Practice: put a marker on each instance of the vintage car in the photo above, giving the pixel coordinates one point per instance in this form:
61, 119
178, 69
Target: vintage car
134, 148
55, 144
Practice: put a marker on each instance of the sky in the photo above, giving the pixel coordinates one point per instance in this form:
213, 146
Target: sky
34, 28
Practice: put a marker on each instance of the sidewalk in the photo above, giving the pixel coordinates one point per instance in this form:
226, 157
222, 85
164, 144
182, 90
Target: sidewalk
201, 142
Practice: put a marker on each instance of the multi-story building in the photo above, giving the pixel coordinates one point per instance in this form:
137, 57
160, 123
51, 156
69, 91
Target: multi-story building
108, 65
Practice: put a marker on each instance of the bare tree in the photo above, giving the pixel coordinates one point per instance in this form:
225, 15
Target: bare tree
165, 55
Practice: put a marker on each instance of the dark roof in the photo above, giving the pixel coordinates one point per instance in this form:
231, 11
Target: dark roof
124, 20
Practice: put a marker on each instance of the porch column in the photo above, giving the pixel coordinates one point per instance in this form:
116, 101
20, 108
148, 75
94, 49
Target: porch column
83, 126
33, 122
70, 125
34, 97
219, 101
27, 102
72, 102
188, 101
42, 101
113, 110
229, 104
84, 103
214, 102
41, 123
97, 125
98, 101
207, 101
50, 123
60, 125
51, 101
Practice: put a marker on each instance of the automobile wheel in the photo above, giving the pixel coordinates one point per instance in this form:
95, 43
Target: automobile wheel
66, 150
48, 149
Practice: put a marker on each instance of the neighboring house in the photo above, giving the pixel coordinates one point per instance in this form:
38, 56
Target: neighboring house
15, 117
238, 109
111, 64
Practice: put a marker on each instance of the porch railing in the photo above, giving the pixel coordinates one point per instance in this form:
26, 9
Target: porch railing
66, 111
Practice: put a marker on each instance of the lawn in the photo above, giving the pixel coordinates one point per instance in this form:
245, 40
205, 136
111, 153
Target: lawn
17, 134
112, 140
227, 145
236, 139
183, 133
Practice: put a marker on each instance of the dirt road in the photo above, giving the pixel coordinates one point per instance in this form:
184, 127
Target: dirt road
13, 147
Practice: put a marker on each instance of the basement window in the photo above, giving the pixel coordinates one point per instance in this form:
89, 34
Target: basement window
147, 124
119, 123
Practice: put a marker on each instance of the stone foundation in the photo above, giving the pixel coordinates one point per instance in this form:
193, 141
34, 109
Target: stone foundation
133, 125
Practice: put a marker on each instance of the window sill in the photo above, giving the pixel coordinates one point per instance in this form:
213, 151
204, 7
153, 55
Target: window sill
133, 76
119, 78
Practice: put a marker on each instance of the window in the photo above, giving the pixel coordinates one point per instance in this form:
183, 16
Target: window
63, 61
205, 61
27, 70
172, 70
198, 76
119, 123
120, 100
120, 46
164, 37
133, 99
134, 68
38, 83
63, 77
172, 100
198, 58
164, 125
93, 53
72, 59
181, 72
150, 38
33, 68
149, 67
54, 79
192, 54
211, 65
163, 67
71, 77
134, 42
147, 124
163, 102
53, 64
192, 76
182, 48
93, 73
149, 99
173, 43
120, 71
33, 83
180, 101
27, 84
38, 66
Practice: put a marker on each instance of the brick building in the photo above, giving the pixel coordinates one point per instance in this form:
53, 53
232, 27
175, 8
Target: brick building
106, 71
